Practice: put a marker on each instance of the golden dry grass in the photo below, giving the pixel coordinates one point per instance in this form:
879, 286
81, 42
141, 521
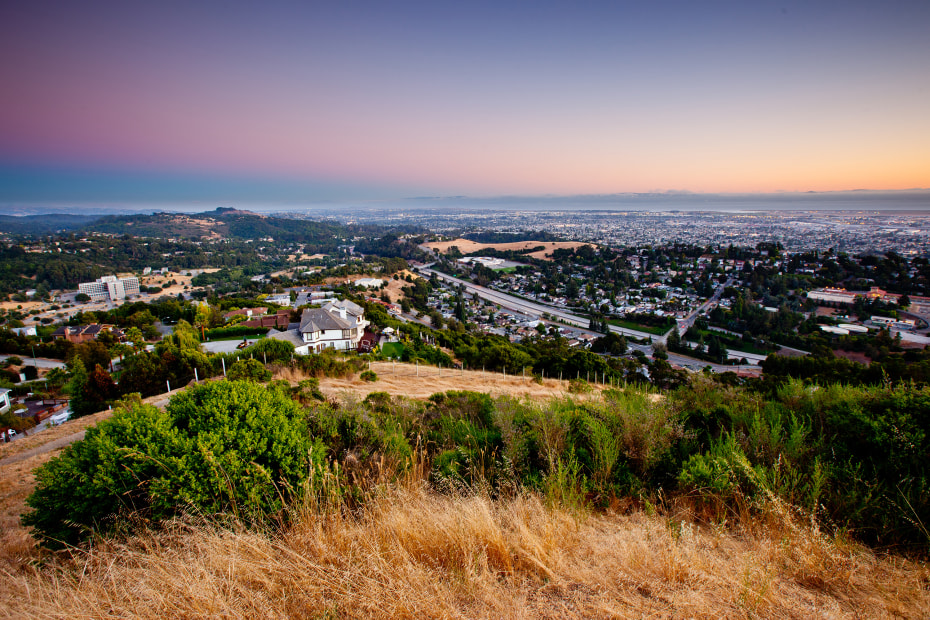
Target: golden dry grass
402, 380
415, 554
467, 247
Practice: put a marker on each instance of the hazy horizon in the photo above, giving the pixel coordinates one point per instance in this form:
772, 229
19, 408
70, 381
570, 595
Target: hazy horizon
310, 103
914, 201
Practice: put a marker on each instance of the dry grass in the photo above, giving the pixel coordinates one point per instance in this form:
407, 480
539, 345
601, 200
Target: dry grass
467, 247
402, 380
415, 554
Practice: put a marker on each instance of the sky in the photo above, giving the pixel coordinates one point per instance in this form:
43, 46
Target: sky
313, 101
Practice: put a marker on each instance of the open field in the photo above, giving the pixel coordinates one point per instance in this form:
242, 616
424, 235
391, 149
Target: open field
467, 247
394, 287
650, 329
402, 380
416, 554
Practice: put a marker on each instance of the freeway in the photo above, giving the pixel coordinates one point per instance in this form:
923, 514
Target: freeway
529, 307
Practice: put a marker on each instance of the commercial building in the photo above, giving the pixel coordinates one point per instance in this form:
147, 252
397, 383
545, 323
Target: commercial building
832, 295
110, 288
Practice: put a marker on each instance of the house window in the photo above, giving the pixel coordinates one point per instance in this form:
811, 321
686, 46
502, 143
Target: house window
347, 333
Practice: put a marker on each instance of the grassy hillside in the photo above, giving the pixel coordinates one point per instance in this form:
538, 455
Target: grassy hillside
436, 529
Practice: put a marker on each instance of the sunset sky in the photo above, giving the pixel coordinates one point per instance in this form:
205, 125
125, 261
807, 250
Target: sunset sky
342, 100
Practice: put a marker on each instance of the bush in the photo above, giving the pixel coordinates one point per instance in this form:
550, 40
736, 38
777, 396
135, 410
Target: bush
228, 446
368, 375
579, 386
249, 370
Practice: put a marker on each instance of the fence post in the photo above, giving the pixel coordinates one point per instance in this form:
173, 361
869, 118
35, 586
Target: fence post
223, 361
418, 368
196, 378
169, 384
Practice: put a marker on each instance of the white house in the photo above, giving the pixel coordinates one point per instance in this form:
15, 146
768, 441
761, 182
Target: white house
337, 325
5, 403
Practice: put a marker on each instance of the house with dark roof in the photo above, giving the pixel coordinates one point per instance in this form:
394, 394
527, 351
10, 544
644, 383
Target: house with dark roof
84, 333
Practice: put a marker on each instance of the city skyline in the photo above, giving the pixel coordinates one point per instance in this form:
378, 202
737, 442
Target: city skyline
292, 102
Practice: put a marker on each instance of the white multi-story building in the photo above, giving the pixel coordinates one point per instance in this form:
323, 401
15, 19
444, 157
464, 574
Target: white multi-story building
110, 287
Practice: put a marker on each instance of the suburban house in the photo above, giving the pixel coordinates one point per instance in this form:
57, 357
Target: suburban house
84, 333
5, 400
338, 325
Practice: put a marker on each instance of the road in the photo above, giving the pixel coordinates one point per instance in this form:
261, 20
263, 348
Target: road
38, 362
529, 307
685, 324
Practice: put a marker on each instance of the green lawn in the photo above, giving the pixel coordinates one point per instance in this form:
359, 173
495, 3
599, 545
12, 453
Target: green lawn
505, 269
392, 349
649, 329
730, 342
239, 338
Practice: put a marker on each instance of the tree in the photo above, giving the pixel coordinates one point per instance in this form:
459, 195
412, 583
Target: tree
134, 335
82, 298
716, 350
75, 387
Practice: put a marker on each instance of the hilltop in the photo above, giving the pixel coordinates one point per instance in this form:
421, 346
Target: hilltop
413, 550
222, 223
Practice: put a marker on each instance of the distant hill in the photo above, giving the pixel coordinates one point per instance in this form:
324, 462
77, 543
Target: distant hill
45, 224
225, 223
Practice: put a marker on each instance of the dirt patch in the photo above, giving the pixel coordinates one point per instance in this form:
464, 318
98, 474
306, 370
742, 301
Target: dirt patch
855, 356
408, 380
162, 281
467, 247
394, 287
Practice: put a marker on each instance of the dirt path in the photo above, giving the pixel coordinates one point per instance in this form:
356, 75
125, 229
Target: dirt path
61, 442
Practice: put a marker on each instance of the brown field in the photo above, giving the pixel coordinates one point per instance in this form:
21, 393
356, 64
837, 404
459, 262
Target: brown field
467, 247
416, 554
412, 553
402, 380
182, 281
393, 288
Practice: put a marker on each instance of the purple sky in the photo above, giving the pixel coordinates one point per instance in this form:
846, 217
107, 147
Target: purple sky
379, 99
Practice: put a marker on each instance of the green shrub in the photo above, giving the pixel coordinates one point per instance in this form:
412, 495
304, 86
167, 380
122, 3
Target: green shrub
579, 386
368, 375
249, 370
224, 447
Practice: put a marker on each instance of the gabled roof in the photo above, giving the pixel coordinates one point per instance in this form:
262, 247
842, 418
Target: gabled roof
318, 319
291, 335
350, 307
